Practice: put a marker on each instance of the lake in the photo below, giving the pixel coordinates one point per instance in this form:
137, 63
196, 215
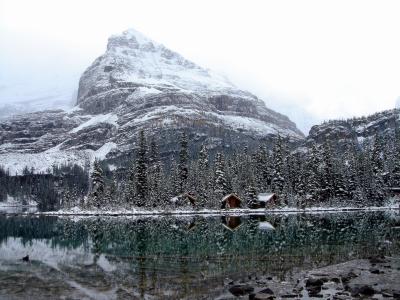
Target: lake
178, 257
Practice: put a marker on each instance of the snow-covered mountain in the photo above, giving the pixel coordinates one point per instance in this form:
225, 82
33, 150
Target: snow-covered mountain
356, 130
138, 84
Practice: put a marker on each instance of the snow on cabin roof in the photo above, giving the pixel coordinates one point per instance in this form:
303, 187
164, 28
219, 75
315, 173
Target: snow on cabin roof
230, 195
265, 197
266, 226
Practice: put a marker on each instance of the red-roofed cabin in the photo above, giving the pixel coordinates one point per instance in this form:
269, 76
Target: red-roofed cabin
231, 201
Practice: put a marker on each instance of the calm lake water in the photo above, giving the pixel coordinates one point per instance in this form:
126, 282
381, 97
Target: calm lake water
178, 257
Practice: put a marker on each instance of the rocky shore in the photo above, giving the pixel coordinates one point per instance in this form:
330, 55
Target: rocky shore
372, 278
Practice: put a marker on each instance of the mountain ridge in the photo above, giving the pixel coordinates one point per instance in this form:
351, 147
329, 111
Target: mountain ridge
357, 130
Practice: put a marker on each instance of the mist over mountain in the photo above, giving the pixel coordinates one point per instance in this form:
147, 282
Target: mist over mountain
140, 85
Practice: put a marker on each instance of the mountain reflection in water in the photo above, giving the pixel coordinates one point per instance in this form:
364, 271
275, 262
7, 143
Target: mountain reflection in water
178, 257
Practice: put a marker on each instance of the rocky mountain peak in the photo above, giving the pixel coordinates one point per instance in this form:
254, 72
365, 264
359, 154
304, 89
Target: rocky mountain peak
139, 84
357, 130
133, 59
130, 38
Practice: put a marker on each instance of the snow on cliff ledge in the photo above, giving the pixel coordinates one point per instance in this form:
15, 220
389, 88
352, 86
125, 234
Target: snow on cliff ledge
43, 162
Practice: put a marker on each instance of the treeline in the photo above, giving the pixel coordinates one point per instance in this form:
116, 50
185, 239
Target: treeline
360, 175
61, 185
357, 176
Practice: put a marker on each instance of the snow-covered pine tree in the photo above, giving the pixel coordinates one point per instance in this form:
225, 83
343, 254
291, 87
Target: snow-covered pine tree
183, 163
299, 180
156, 192
349, 173
365, 174
278, 180
234, 170
110, 198
312, 175
261, 169
327, 173
292, 173
173, 185
378, 185
130, 185
141, 172
357, 197
203, 176
154, 156
220, 184
377, 155
395, 172
251, 194
240, 169
97, 192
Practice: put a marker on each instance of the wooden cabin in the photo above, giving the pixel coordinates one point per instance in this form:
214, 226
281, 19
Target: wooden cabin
231, 222
395, 191
266, 200
231, 201
184, 199
189, 198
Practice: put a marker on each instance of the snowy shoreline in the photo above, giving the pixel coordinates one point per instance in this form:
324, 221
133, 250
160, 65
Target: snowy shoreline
76, 211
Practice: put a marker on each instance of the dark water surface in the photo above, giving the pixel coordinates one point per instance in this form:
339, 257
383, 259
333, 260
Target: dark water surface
178, 257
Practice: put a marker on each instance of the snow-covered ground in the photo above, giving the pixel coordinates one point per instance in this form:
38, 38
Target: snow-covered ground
76, 211
12, 202
14, 206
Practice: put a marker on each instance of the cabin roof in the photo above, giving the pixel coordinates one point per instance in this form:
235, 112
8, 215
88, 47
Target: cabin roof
230, 195
265, 197
188, 195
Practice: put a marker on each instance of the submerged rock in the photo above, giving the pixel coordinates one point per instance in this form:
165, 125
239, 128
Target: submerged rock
313, 286
363, 290
241, 290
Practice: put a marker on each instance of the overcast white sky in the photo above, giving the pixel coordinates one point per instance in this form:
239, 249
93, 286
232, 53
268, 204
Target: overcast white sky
311, 60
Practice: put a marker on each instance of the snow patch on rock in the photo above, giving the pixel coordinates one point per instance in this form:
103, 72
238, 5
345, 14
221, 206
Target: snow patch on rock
102, 152
108, 118
43, 162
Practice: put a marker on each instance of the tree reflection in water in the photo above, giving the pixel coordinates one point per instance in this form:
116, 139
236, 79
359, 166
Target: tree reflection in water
183, 256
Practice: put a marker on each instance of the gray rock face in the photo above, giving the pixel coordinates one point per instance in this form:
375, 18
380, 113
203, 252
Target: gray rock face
151, 87
139, 84
356, 130
35, 132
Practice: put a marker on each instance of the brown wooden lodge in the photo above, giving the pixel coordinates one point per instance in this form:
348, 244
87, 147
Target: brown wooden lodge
231, 201
266, 200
